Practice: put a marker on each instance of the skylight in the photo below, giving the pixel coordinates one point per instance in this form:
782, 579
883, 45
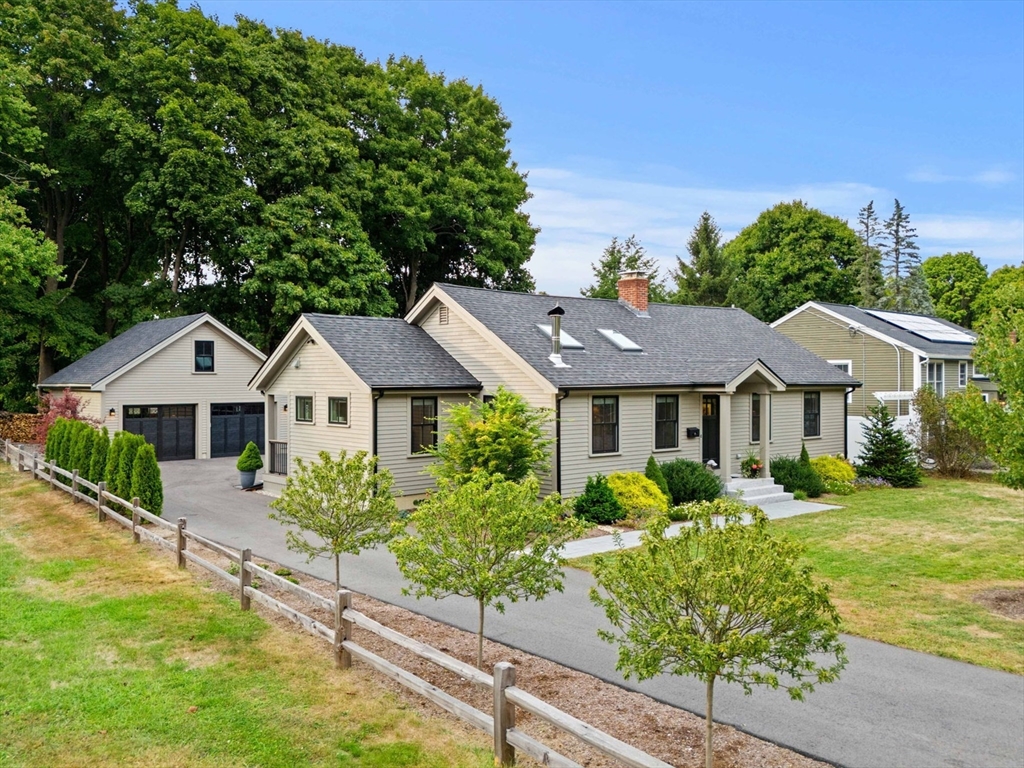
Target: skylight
925, 327
568, 342
619, 340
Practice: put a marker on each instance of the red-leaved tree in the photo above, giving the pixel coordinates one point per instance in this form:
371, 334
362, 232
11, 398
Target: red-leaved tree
67, 405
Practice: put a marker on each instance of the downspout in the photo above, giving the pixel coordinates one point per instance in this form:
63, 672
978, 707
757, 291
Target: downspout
377, 395
558, 438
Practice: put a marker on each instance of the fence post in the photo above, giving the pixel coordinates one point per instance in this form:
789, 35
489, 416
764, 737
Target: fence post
504, 714
74, 486
342, 629
21, 461
7, 450
53, 476
182, 542
35, 461
100, 514
244, 578
135, 520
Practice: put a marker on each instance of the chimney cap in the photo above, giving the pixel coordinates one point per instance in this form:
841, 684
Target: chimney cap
631, 274
556, 311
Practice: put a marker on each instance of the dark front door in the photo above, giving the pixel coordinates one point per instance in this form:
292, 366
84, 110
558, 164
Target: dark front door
233, 426
710, 429
170, 429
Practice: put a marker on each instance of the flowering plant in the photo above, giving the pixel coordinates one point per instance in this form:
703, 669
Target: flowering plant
751, 466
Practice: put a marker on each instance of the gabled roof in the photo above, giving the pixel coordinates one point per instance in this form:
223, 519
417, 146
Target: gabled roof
682, 346
912, 341
124, 352
388, 353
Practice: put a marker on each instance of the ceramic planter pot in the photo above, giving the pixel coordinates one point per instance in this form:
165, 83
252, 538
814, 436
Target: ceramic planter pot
248, 479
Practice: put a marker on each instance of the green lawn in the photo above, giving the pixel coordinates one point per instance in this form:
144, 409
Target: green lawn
110, 656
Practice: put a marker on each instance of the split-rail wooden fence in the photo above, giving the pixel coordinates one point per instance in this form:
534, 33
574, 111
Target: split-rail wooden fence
507, 696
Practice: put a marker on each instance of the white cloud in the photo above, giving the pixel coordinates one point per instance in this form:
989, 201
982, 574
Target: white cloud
578, 216
991, 177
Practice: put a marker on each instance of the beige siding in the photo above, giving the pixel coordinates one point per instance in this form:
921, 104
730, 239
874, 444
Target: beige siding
167, 378
394, 440
636, 436
321, 376
491, 366
788, 424
92, 403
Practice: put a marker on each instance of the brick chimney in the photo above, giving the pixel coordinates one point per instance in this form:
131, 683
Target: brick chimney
633, 290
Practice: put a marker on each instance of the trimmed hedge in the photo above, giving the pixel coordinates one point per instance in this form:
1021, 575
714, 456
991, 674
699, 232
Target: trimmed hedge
691, 481
637, 494
250, 460
98, 464
597, 504
126, 463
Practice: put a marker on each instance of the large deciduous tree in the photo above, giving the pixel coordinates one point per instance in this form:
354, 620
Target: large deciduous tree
1003, 291
719, 600
954, 282
790, 255
624, 256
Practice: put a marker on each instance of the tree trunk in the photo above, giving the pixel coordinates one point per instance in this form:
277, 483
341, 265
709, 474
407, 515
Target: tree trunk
413, 286
337, 572
709, 752
480, 637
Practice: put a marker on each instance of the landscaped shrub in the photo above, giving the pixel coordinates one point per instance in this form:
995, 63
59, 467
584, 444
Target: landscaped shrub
113, 459
250, 460
146, 481
52, 407
597, 504
656, 476
637, 494
62, 447
53, 439
942, 437
680, 513
887, 452
126, 463
833, 468
751, 466
81, 450
98, 464
794, 475
691, 481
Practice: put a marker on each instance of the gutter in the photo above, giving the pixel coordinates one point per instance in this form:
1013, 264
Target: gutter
558, 438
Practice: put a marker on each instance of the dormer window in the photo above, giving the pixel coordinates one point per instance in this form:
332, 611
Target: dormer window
204, 357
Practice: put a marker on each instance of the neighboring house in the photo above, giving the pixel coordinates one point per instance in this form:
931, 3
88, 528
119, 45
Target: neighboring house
894, 354
179, 382
627, 381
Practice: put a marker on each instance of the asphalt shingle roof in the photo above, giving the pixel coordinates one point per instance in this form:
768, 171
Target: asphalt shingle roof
388, 353
952, 349
682, 346
119, 351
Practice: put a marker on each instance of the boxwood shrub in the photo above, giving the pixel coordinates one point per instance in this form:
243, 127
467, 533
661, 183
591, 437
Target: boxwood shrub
690, 481
597, 504
794, 475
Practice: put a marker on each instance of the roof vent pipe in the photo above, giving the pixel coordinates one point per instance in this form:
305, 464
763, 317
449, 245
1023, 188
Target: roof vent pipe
556, 336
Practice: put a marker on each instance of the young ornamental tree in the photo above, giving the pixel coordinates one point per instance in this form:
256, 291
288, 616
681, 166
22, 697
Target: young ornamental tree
489, 540
940, 436
719, 601
345, 503
504, 437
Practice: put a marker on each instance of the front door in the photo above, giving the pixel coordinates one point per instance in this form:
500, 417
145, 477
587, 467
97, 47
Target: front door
710, 429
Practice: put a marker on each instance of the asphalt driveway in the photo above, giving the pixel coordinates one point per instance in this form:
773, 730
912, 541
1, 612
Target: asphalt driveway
892, 707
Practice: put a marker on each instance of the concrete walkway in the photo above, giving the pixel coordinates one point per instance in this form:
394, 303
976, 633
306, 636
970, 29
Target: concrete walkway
891, 707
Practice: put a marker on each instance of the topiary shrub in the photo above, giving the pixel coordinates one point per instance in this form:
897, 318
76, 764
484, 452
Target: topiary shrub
655, 475
597, 504
146, 481
98, 463
834, 469
690, 481
794, 475
250, 460
887, 452
637, 494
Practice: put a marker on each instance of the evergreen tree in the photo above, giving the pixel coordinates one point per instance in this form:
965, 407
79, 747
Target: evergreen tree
98, 464
887, 452
52, 440
81, 453
900, 257
656, 476
126, 464
870, 283
917, 297
113, 461
625, 256
597, 504
146, 481
705, 280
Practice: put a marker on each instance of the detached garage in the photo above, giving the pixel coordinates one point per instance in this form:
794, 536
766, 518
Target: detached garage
181, 383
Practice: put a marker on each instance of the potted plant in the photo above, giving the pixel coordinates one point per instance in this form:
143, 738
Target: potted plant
751, 466
248, 463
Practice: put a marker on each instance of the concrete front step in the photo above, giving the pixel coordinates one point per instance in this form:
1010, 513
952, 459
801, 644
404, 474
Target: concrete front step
757, 491
772, 498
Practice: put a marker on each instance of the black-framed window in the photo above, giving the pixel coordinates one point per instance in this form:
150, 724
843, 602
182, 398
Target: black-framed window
755, 418
424, 423
666, 421
204, 357
304, 408
812, 414
604, 421
337, 410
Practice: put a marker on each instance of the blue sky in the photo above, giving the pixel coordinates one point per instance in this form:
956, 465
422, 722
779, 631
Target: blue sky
632, 118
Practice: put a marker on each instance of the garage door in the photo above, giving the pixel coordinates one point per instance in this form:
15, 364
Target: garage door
170, 429
233, 425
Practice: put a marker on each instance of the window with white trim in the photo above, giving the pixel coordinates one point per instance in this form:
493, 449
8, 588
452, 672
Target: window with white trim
304, 408
203, 357
934, 377
812, 414
604, 424
337, 410
963, 374
846, 366
666, 422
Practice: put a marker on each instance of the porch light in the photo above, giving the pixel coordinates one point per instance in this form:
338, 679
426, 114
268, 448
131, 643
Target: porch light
112, 413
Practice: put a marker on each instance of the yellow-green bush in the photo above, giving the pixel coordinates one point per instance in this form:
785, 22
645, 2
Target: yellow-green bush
637, 494
833, 468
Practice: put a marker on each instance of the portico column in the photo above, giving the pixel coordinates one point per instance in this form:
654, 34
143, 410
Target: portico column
765, 431
725, 436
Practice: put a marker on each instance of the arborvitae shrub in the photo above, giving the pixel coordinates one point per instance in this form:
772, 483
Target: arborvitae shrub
52, 436
637, 494
691, 481
887, 452
63, 447
98, 464
113, 459
794, 475
656, 476
126, 464
805, 457
146, 482
250, 460
81, 454
597, 504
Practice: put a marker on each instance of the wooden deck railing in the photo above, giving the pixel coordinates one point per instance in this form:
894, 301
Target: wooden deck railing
500, 722
278, 457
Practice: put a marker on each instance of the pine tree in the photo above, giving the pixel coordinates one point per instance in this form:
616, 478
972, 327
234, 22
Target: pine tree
870, 283
706, 279
626, 256
887, 452
900, 256
146, 481
656, 476
918, 298
98, 464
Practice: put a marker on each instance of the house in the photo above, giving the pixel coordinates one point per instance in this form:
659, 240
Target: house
180, 382
893, 353
624, 379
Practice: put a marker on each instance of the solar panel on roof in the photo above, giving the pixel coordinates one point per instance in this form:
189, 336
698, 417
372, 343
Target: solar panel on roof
925, 327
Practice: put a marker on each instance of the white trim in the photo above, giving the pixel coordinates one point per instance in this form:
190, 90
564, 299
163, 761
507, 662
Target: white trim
849, 372
408, 424
295, 408
850, 323
618, 426
654, 423
755, 367
348, 410
101, 385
